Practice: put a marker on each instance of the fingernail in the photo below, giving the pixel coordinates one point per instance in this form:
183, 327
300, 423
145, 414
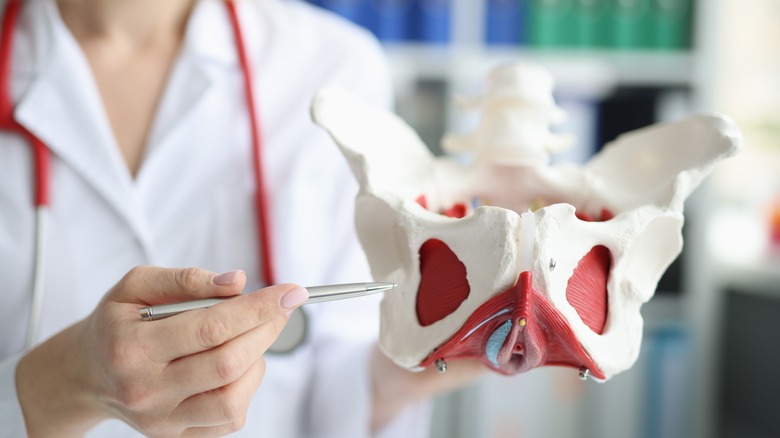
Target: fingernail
294, 297
227, 278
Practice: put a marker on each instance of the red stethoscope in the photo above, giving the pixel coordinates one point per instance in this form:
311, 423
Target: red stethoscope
42, 160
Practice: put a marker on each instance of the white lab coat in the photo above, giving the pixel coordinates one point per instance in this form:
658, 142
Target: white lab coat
191, 203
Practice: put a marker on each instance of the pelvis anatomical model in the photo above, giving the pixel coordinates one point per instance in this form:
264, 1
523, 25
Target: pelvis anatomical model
508, 259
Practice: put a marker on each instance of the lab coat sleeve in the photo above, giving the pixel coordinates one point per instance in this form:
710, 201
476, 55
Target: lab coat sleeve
11, 417
413, 422
344, 336
347, 331
343, 393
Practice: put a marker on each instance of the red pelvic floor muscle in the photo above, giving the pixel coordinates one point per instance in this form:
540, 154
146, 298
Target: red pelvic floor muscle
587, 288
423, 201
457, 211
443, 283
545, 339
605, 215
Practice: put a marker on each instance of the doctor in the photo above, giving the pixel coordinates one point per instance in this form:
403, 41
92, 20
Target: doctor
137, 124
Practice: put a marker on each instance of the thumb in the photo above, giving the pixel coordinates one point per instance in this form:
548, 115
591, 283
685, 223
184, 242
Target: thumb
150, 285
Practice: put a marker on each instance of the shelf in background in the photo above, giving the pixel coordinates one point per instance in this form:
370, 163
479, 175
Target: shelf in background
759, 274
744, 259
598, 71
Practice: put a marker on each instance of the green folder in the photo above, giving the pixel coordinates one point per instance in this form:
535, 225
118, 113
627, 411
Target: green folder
593, 23
551, 23
672, 24
633, 23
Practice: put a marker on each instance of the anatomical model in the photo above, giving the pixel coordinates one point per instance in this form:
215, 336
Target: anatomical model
508, 259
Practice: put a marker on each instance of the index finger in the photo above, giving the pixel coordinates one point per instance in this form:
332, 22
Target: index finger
203, 329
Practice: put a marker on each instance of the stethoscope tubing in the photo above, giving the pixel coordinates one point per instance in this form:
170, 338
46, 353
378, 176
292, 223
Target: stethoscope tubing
261, 195
41, 170
39, 269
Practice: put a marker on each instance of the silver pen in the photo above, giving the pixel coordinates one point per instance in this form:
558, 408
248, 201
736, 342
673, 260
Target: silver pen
317, 294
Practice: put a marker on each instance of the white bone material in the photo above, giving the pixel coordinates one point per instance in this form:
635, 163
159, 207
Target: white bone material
643, 178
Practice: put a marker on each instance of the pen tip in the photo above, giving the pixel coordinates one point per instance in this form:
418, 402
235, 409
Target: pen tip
380, 286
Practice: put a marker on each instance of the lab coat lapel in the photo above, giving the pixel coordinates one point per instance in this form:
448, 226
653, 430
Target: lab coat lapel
210, 35
186, 86
208, 58
63, 108
209, 49
62, 105
191, 78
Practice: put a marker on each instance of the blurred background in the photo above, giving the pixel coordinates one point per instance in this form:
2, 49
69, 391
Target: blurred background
710, 360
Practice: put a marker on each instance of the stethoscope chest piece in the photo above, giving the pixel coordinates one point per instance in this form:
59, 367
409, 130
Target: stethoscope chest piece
293, 334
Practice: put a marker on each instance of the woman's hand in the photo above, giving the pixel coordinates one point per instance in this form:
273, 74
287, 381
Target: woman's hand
394, 387
192, 374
